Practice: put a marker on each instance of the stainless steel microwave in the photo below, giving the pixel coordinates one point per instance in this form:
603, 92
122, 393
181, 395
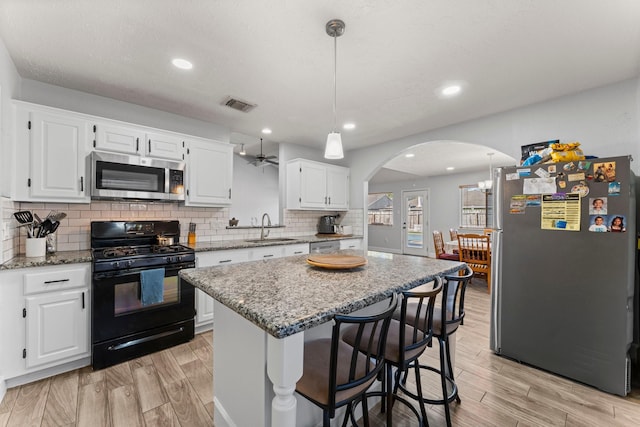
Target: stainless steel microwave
121, 176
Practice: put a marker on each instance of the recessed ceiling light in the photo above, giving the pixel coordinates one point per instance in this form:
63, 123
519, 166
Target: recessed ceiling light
183, 64
266, 131
450, 168
349, 126
409, 155
451, 90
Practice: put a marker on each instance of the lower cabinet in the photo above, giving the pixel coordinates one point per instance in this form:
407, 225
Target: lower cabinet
44, 319
355, 244
57, 326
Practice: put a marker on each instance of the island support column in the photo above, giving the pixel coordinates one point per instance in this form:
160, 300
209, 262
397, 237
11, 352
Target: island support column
284, 366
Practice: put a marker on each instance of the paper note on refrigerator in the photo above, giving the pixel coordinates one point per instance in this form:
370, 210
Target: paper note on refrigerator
539, 186
560, 212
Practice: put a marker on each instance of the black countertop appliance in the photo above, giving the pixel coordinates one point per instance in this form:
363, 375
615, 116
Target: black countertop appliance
327, 224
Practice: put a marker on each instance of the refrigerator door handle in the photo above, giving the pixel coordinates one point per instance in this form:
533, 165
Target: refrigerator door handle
495, 340
498, 193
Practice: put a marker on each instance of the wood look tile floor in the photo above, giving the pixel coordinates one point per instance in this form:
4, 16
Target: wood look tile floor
174, 388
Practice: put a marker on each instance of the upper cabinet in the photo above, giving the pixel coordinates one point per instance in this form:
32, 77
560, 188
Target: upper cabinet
54, 145
119, 138
209, 173
317, 186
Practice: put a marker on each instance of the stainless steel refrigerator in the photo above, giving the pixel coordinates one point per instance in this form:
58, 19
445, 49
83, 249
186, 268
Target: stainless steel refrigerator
562, 286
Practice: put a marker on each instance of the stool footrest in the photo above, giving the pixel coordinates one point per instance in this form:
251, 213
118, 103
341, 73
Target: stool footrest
450, 398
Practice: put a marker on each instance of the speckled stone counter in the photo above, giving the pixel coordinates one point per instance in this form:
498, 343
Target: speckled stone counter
285, 296
240, 244
71, 257
63, 257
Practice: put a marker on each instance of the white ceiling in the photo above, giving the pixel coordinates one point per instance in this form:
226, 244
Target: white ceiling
393, 57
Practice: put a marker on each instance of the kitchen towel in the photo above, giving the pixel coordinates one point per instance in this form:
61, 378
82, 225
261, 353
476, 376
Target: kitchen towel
152, 286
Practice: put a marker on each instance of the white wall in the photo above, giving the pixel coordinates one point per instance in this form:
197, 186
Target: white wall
443, 208
255, 191
604, 120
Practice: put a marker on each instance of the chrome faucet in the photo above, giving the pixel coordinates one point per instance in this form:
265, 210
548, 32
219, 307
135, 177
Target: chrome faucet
262, 233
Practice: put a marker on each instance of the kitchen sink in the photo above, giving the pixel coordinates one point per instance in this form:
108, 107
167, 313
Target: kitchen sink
270, 240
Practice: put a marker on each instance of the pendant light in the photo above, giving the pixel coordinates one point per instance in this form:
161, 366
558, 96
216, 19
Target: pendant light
333, 149
486, 185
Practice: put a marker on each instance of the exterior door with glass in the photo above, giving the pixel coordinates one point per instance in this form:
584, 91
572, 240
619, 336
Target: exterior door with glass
415, 222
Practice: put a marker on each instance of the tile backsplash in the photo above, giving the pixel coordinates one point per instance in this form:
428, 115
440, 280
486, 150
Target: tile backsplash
211, 223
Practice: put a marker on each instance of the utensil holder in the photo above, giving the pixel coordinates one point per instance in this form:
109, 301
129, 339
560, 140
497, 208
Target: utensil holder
36, 247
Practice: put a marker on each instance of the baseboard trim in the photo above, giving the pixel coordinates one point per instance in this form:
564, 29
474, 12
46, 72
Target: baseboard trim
46, 373
3, 388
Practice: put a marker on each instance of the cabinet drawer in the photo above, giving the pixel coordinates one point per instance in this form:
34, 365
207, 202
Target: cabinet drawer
46, 281
298, 249
225, 257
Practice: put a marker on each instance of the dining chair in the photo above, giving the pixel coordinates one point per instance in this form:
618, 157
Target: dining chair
453, 234
336, 374
409, 335
475, 250
438, 243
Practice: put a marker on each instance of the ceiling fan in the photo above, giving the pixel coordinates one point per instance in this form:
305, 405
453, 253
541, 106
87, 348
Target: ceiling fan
262, 160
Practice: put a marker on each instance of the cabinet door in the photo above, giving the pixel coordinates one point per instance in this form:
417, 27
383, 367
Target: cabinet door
351, 244
209, 173
58, 158
166, 146
313, 186
57, 326
337, 187
204, 308
121, 139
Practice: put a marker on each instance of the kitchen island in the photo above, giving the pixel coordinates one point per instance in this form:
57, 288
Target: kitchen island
263, 312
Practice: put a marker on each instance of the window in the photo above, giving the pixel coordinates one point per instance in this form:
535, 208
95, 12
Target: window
380, 208
475, 207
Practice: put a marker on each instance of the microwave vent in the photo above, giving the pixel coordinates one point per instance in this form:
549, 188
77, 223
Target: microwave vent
239, 105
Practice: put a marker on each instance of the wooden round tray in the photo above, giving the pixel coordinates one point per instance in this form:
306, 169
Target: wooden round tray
336, 262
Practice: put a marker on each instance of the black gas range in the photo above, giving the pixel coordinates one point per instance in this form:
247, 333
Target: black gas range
126, 322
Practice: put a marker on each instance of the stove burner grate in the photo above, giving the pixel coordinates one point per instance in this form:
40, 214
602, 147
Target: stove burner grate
118, 252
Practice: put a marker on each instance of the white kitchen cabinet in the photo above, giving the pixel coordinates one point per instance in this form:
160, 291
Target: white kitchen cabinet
57, 326
297, 249
118, 138
53, 145
164, 145
137, 140
316, 186
209, 173
44, 320
355, 244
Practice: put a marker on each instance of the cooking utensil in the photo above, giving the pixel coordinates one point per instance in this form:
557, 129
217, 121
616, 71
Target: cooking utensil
56, 216
25, 218
45, 228
54, 227
164, 240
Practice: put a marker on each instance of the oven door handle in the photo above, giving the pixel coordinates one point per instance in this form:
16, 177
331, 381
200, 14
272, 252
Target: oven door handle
145, 339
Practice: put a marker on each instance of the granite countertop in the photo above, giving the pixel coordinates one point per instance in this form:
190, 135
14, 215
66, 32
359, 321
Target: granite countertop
58, 258
286, 295
73, 257
275, 241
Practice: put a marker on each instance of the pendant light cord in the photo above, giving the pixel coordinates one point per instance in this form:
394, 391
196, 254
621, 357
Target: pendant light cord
335, 80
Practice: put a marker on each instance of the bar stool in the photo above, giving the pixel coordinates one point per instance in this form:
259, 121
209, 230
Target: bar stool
336, 374
446, 320
407, 339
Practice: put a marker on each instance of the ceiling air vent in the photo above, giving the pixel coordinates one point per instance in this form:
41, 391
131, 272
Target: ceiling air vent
237, 104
